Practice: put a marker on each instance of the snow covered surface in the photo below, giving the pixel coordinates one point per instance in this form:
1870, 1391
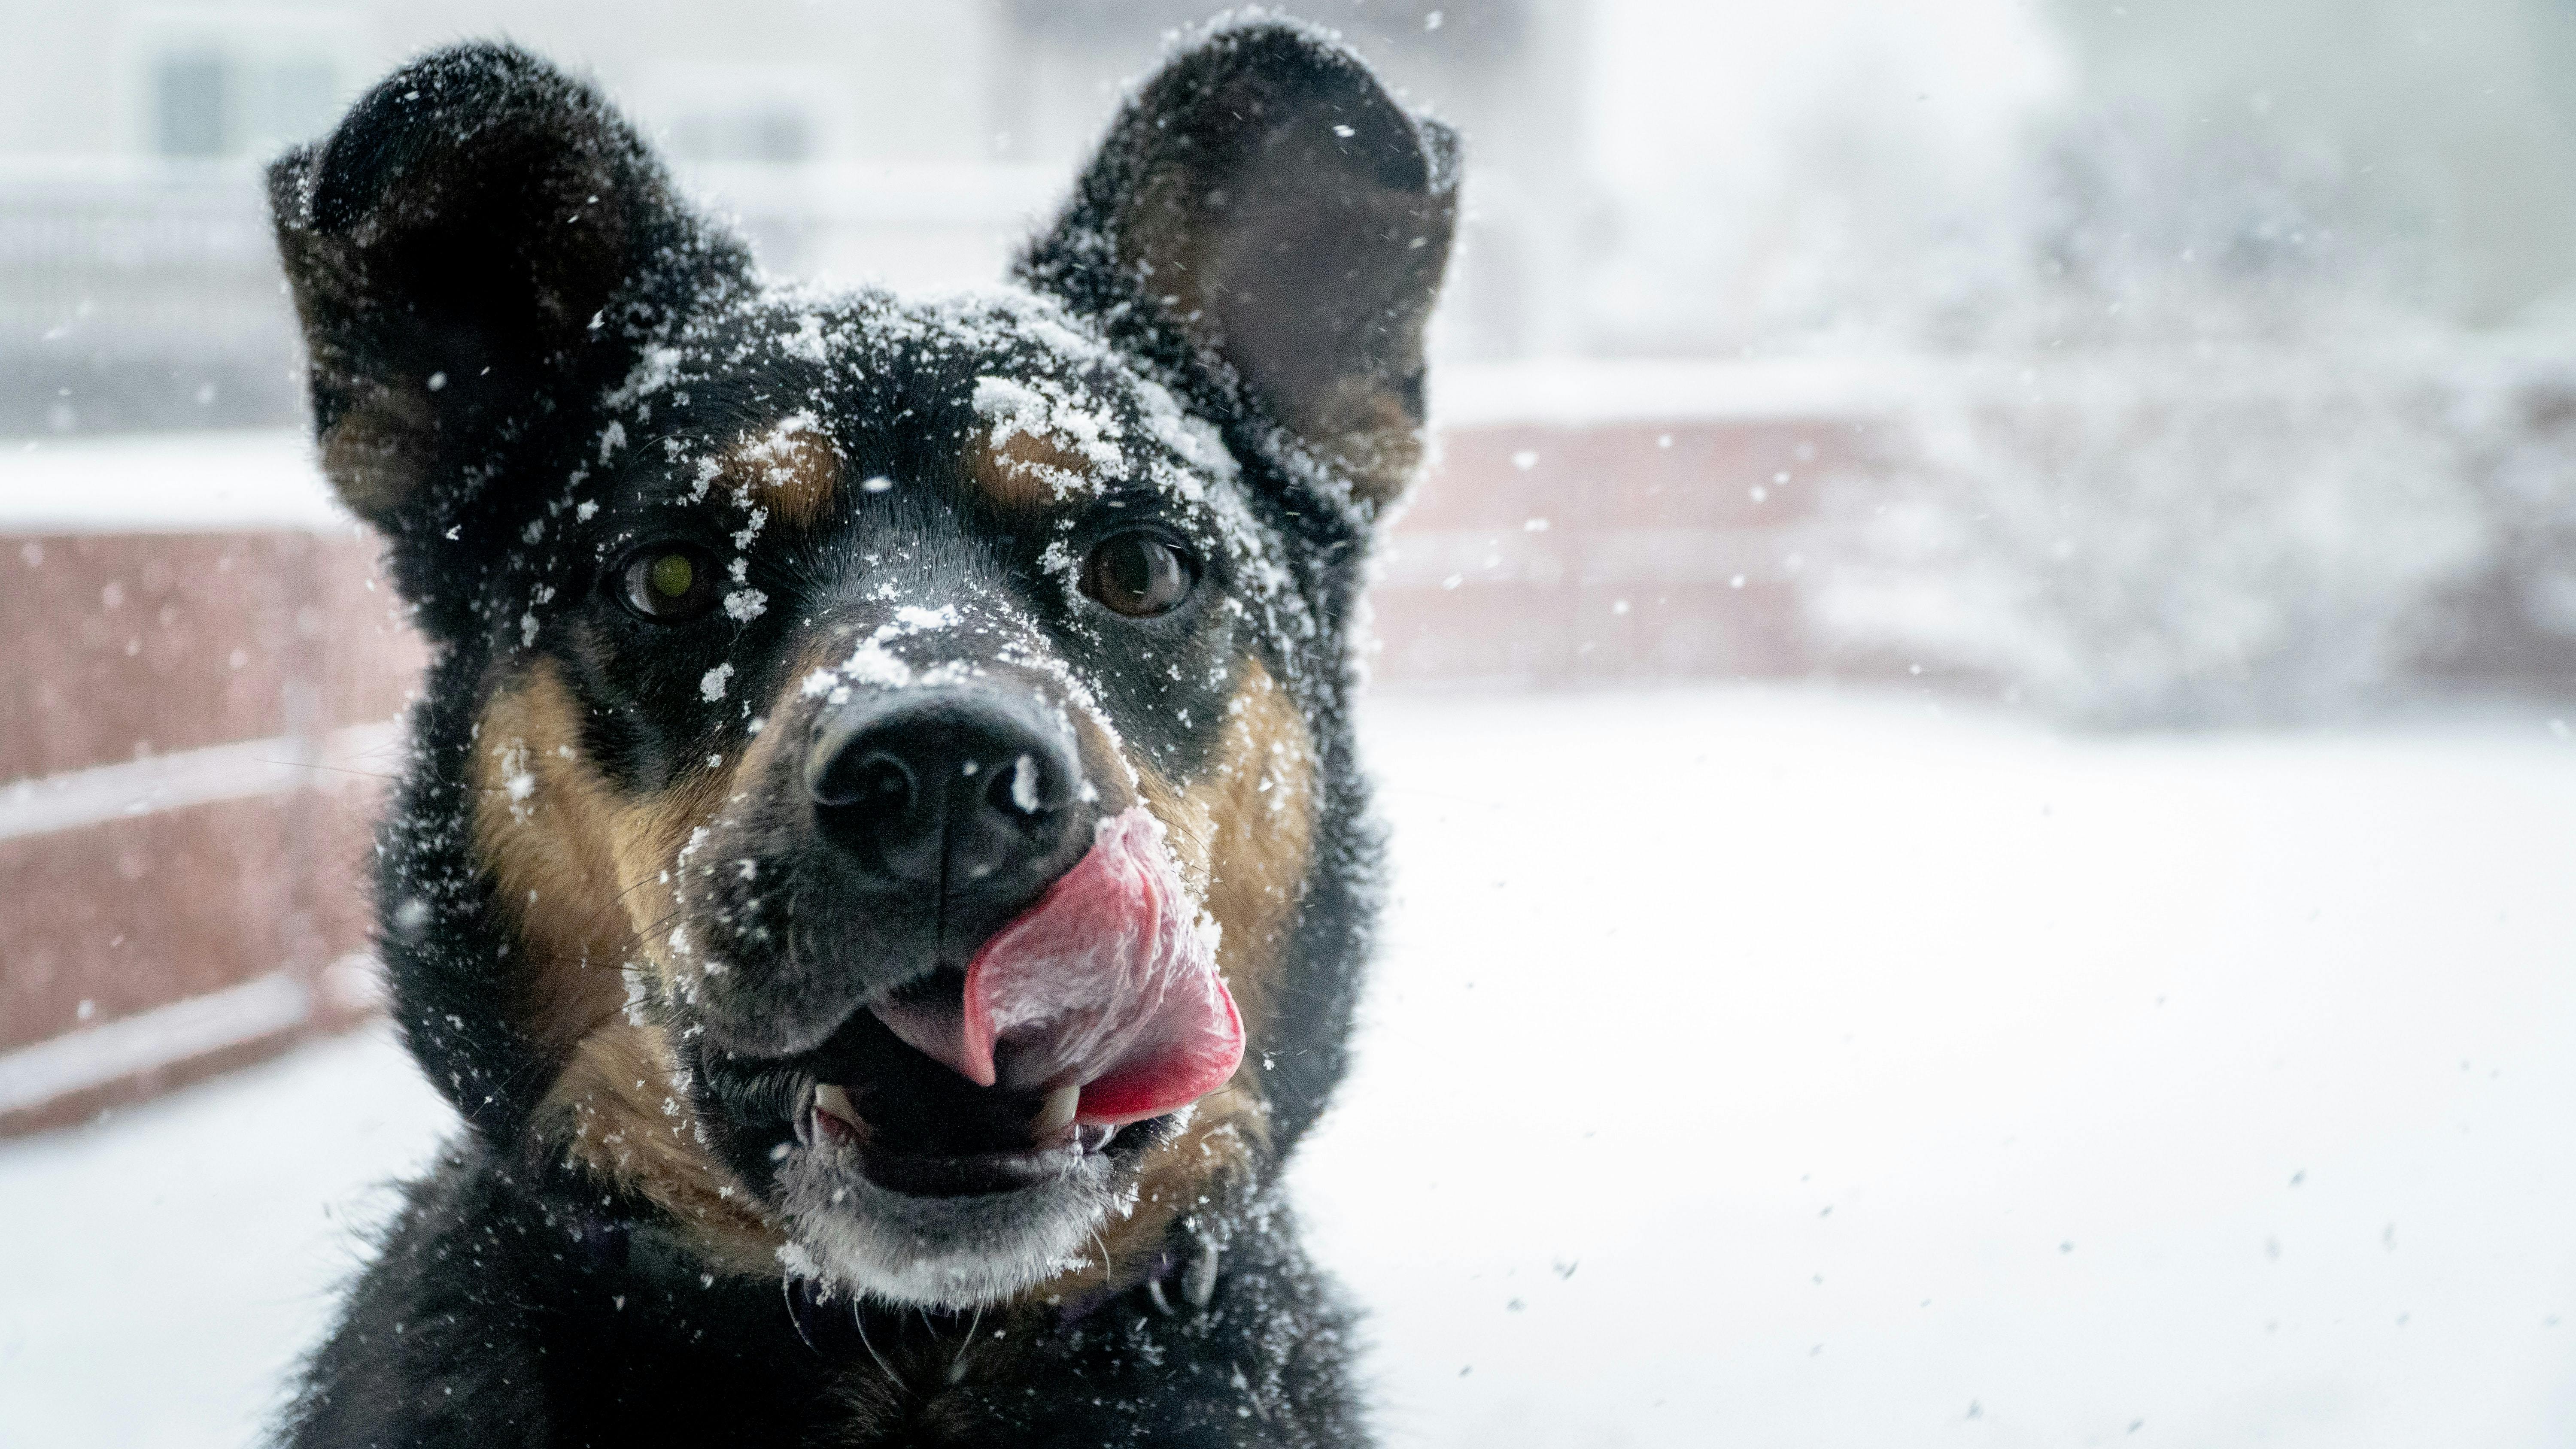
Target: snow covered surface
254, 478
164, 1269
1776, 1068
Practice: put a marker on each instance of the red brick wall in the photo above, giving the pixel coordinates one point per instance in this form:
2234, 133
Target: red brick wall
189, 776
1558, 555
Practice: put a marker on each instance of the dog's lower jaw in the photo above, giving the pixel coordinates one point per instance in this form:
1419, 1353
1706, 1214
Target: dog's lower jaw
960, 1253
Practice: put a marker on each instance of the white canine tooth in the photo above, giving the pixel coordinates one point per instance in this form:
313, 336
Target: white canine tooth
835, 1101
1056, 1112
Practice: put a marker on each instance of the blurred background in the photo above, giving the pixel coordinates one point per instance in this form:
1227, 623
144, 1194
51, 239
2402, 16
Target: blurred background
1976, 707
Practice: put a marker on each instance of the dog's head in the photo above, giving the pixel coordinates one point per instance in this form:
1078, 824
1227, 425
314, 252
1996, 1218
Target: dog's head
884, 799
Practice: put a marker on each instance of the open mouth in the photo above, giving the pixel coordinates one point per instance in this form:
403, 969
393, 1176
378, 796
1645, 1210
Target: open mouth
912, 1125
1098, 1007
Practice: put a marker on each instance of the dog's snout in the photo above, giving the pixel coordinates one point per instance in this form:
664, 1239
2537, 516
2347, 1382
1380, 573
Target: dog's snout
963, 792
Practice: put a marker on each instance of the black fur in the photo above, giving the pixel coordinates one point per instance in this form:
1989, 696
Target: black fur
522, 343
492, 1318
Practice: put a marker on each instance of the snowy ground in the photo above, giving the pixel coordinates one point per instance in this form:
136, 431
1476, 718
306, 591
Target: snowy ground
1780, 1069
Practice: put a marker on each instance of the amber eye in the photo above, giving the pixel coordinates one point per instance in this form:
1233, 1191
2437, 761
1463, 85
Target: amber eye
669, 582
1138, 574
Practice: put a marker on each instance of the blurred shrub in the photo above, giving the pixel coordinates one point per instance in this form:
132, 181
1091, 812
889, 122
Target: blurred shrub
2518, 423
2172, 543
2208, 460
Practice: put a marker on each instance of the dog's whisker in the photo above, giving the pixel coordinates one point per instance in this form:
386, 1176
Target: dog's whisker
796, 1320
859, 1321
957, 1364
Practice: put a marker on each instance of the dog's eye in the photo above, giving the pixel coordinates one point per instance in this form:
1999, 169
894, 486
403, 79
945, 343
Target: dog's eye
668, 583
1138, 574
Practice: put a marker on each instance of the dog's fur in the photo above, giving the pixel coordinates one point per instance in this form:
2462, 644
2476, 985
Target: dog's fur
607, 938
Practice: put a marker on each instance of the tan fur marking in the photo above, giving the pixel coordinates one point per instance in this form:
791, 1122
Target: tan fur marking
578, 864
579, 867
544, 823
1243, 832
617, 1110
1370, 436
1227, 1128
367, 454
791, 469
1026, 470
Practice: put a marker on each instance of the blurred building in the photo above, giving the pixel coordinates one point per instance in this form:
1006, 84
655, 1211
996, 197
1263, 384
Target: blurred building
905, 142
2449, 130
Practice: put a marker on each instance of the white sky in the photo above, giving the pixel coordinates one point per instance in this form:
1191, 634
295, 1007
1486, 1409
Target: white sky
1709, 85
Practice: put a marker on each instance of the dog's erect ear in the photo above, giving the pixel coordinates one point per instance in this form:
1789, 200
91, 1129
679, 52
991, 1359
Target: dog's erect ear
1264, 207
480, 234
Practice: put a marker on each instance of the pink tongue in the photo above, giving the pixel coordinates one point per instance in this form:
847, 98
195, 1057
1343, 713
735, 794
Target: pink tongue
1107, 981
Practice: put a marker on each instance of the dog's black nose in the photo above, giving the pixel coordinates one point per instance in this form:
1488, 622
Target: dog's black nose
965, 792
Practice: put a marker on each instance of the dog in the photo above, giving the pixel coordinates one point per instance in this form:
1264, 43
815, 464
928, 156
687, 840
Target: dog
881, 868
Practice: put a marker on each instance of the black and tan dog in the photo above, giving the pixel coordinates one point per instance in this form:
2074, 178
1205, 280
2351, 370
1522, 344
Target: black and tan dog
882, 871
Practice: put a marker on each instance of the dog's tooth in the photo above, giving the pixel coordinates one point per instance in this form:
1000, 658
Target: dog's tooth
1056, 1113
835, 1101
